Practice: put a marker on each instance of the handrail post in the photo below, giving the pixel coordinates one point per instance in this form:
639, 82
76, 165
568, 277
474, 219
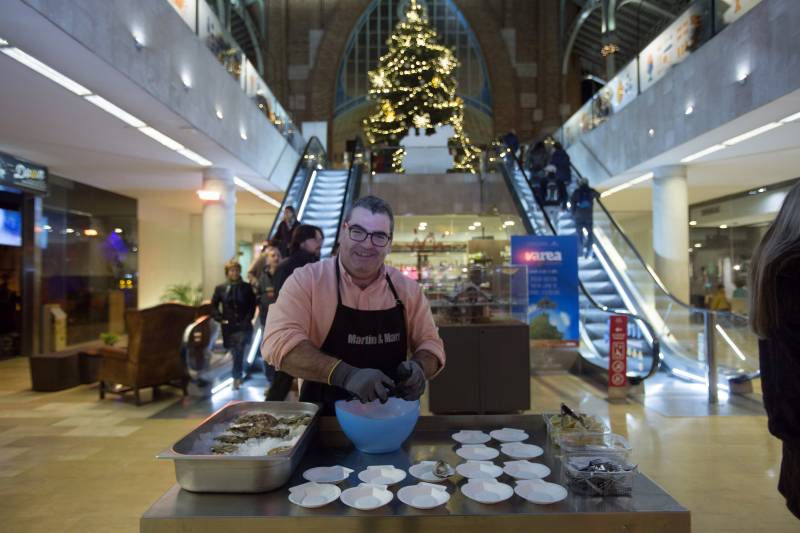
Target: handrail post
709, 326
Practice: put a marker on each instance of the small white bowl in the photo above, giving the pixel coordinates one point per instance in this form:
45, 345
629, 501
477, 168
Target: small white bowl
327, 474
471, 436
366, 496
520, 450
477, 452
540, 492
313, 495
509, 435
382, 475
423, 495
424, 472
479, 470
526, 470
486, 490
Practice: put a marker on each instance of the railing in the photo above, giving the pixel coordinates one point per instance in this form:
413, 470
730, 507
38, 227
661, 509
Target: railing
701, 21
354, 174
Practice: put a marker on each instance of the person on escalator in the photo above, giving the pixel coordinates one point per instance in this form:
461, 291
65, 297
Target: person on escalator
775, 317
283, 235
233, 305
511, 140
305, 248
263, 272
537, 161
560, 160
582, 207
351, 326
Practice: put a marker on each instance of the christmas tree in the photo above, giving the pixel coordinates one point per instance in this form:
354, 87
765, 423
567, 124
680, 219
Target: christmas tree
414, 86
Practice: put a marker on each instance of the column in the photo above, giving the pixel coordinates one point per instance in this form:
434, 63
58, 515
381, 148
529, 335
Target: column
671, 228
219, 227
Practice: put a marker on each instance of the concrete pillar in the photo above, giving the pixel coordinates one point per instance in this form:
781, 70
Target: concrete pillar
219, 227
671, 228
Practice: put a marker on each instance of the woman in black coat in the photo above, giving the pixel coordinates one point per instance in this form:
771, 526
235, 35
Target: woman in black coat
775, 317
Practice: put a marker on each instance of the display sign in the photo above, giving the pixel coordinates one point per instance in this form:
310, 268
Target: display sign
732, 10
22, 174
618, 351
553, 310
622, 89
671, 47
187, 9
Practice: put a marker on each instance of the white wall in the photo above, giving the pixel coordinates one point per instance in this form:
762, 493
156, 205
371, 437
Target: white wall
170, 250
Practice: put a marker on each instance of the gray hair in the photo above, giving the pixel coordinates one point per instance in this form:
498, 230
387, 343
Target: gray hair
374, 205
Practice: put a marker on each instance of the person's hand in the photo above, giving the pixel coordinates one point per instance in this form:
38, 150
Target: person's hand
412, 380
366, 383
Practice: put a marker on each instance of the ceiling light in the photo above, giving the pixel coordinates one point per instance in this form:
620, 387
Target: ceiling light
186, 79
692, 222
702, 153
689, 110
752, 133
623, 186
34, 64
243, 135
47, 227
723, 226
698, 245
509, 223
188, 154
209, 196
790, 118
3, 42
762, 189
691, 250
110, 108
255, 192
471, 228
90, 232
117, 230
219, 114
160, 137
69, 230
737, 267
476, 224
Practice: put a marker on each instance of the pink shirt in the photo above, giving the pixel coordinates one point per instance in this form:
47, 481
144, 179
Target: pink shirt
307, 304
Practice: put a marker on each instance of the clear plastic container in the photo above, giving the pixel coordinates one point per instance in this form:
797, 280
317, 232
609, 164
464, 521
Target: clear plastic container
598, 476
578, 444
559, 425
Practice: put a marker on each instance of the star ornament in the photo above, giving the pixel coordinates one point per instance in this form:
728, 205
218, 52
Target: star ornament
421, 121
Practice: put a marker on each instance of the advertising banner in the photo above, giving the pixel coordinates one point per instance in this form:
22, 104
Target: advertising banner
553, 310
622, 89
671, 47
187, 9
22, 174
618, 351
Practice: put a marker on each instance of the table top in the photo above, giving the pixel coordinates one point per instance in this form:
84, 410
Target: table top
431, 440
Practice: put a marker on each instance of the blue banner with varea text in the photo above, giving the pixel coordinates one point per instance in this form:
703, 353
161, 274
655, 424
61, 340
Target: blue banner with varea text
553, 309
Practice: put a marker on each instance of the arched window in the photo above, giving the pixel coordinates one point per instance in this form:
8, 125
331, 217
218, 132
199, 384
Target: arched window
367, 43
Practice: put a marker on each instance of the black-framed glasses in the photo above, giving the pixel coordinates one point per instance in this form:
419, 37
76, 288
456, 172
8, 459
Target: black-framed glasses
359, 234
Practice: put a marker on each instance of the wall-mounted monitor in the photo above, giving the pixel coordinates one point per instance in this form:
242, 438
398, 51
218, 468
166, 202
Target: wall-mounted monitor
10, 227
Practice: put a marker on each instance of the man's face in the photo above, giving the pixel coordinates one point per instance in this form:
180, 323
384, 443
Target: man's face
272, 257
288, 215
234, 273
313, 246
364, 259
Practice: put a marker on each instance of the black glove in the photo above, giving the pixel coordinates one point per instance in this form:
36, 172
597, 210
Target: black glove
412, 380
366, 383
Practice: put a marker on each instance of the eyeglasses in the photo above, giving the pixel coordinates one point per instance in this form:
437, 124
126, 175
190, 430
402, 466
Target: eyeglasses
359, 234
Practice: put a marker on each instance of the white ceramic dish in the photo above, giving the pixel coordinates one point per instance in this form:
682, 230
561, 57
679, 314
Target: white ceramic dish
366, 496
313, 495
424, 472
471, 436
327, 474
520, 450
487, 490
540, 492
477, 452
479, 470
526, 470
423, 495
509, 435
382, 475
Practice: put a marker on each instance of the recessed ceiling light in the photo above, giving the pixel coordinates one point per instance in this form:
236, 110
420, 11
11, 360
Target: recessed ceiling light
200, 160
790, 118
623, 186
209, 196
163, 139
111, 109
752, 133
737, 267
239, 182
49, 73
476, 224
702, 153
471, 228
762, 189
698, 245
90, 232
723, 226
117, 230
509, 222
692, 222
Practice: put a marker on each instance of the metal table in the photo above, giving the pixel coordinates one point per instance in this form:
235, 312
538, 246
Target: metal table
650, 509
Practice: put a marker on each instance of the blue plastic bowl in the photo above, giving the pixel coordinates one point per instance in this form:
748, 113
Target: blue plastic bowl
374, 427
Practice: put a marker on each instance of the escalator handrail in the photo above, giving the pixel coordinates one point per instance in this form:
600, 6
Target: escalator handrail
656, 280
353, 183
656, 344
316, 143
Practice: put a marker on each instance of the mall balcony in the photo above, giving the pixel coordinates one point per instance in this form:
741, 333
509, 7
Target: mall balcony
155, 156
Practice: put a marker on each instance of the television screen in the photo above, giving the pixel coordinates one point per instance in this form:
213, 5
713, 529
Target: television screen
10, 227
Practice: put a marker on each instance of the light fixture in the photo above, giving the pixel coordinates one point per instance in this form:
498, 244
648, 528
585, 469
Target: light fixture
742, 78
161, 138
239, 182
651, 132
752, 133
737, 267
509, 223
243, 135
471, 228
90, 232
691, 250
117, 230
3, 42
222, 385
219, 114
689, 110
762, 189
186, 79
477, 224
47, 227
36, 65
110, 108
692, 222
790, 118
698, 245
723, 226
69, 231
188, 154
209, 196
138, 38
703, 153
623, 186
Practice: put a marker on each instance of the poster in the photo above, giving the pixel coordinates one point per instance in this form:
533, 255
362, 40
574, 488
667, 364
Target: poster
553, 310
622, 89
671, 47
187, 9
732, 10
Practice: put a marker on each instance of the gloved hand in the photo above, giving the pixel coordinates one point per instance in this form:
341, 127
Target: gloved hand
366, 383
412, 380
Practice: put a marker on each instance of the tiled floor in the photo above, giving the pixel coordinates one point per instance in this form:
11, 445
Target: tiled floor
69, 462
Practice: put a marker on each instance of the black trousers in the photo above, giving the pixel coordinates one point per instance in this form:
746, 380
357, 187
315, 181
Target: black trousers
281, 385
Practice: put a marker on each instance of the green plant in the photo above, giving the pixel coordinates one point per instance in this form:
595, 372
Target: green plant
183, 293
109, 339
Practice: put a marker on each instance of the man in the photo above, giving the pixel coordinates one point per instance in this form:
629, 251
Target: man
560, 160
582, 207
283, 235
233, 305
346, 325
511, 140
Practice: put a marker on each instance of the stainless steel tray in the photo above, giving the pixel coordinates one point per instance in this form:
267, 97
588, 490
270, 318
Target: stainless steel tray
197, 470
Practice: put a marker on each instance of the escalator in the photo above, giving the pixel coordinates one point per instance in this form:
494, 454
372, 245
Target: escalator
617, 280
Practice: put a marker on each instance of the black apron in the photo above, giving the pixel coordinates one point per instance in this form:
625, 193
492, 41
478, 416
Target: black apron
363, 339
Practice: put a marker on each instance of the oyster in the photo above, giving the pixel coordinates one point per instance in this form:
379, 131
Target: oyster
294, 421
227, 438
279, 450
265, 419
221, 449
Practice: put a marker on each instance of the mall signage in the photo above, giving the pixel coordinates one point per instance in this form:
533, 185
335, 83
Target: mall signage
618, 351
22, 174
